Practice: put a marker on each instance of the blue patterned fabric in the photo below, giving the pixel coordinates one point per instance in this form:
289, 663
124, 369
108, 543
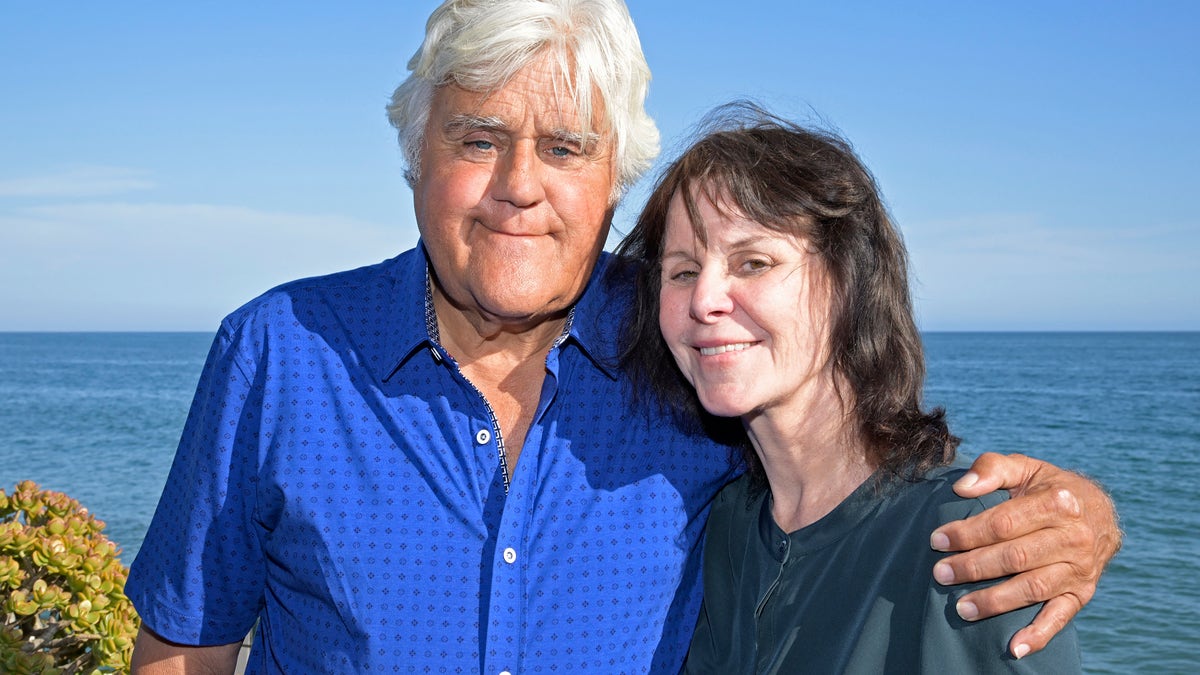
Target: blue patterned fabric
338, 480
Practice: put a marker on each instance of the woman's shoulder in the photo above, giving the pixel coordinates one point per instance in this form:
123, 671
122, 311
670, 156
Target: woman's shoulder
935, 494
739, 492
737, 504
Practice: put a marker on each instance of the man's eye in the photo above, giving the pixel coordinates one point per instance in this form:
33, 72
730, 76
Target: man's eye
481, 145
561, 151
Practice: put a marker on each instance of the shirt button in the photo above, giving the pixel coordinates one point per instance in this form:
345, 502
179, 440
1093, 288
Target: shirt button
483, 436
510, 556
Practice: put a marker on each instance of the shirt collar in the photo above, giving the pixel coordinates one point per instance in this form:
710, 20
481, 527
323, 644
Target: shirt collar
599, 315
593, 324
830, 528
408, 322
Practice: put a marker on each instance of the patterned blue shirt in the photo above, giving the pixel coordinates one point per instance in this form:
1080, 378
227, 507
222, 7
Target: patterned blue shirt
338, 480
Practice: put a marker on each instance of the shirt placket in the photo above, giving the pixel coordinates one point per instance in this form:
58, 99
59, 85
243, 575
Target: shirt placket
507, 611
511, 564
765, 611
504, 634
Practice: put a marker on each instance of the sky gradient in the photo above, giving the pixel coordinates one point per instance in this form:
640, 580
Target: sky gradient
163, 163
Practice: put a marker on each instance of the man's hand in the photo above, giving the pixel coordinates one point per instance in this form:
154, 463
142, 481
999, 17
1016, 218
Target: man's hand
1056, 535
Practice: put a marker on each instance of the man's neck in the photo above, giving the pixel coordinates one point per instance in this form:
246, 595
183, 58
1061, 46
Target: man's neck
470, 335
504, 360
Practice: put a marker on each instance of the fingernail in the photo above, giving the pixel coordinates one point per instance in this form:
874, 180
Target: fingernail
1021, 650
969, 478
943, 574
967, 610
939, 541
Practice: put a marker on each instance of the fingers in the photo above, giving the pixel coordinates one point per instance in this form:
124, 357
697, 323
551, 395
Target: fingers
1032, 552
992, 471
1076, 510
1024, 590
1045, 583
1056, 535
1054, 617
1019, 517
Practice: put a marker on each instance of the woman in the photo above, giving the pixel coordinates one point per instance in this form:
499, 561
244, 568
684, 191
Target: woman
780, 287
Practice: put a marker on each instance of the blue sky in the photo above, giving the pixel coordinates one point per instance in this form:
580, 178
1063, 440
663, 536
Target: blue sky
162, 163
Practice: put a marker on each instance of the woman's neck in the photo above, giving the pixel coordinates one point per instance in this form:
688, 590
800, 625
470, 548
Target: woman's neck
813, 455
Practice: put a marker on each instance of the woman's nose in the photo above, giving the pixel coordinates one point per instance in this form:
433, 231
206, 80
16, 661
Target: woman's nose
710, 296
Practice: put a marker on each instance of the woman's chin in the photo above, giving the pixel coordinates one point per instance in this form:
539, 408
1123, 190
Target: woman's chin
724, 407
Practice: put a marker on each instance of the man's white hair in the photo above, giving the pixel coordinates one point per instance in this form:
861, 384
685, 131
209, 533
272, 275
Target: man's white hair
480, 44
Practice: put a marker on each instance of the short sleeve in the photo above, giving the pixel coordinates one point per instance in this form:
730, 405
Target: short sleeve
198, 578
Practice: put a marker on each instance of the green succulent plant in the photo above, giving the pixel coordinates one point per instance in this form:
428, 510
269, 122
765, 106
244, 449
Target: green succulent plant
63, 609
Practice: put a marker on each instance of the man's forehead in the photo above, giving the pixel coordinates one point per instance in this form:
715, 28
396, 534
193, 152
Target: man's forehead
538, 93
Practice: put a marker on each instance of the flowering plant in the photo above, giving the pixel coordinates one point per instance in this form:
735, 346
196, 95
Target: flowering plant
63, 608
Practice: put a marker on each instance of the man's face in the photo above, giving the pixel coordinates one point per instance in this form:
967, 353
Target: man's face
512, 202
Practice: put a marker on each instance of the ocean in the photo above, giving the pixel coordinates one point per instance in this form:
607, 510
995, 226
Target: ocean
97, 415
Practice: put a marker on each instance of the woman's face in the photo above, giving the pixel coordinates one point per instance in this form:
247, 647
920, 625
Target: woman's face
745, 316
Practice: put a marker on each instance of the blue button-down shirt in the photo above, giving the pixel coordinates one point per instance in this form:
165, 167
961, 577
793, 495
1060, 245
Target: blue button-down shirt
338, 480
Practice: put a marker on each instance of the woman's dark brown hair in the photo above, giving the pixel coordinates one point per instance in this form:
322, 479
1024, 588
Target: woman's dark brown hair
808, 183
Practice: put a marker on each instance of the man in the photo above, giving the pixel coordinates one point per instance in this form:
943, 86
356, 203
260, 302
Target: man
433, 464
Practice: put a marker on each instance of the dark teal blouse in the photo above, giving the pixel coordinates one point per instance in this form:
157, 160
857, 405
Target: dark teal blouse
853, 592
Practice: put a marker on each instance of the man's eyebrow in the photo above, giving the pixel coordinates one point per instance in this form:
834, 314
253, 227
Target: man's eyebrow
464, 123
585, 142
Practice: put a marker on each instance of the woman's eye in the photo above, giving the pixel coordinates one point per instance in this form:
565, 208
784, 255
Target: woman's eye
683, 276
755, 265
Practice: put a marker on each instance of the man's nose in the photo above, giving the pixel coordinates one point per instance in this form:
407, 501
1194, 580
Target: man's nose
518, 178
